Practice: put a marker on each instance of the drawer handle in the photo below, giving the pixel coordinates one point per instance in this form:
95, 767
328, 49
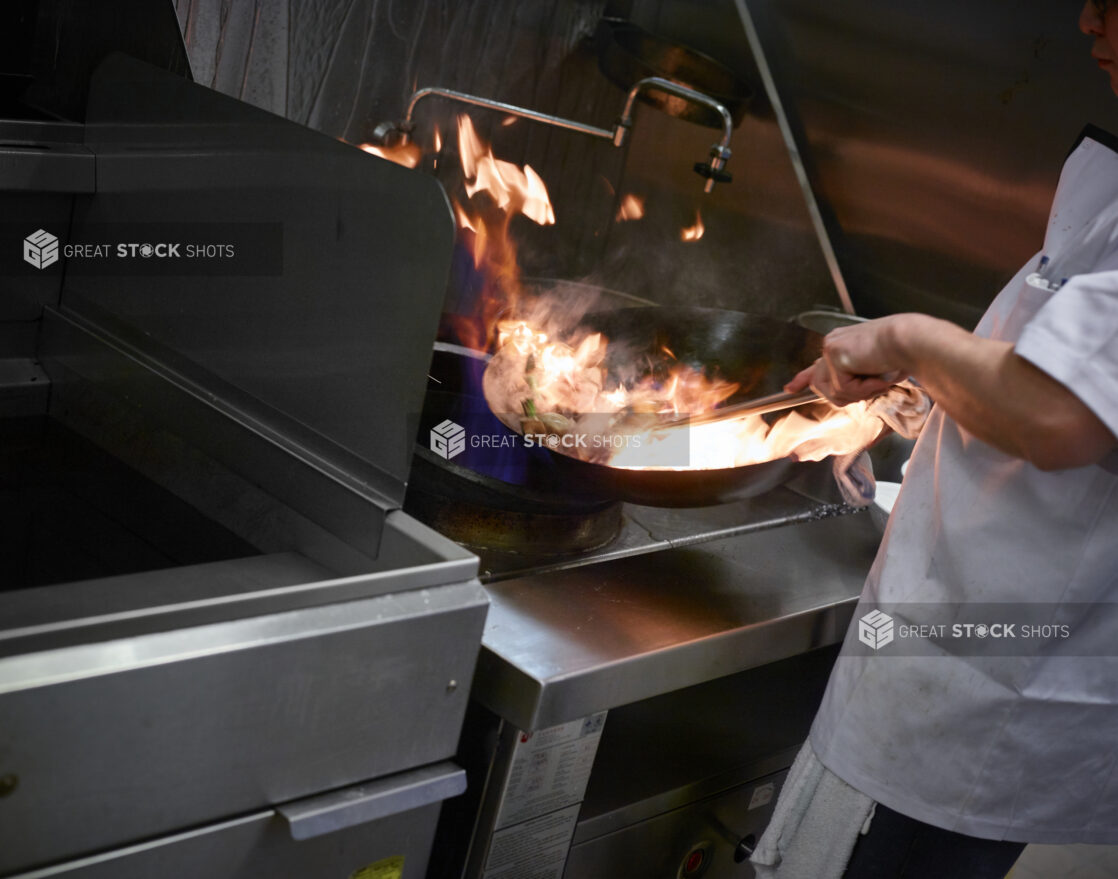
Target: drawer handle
391, 795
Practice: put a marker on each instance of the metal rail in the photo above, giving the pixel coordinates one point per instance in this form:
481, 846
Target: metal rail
782, 122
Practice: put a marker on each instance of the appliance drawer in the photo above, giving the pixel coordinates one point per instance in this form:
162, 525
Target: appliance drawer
383, 830
116, 741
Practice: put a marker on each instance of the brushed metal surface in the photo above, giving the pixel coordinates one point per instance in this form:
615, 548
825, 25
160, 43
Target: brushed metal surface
24, 388
259, 845
73, 37
350, 67
671, 750
25, 293
57, 167
62, 614
374, 800
121, 740
792, 144
335, 340
660, 845
565, 644
172, 428
591, 826
652, 529
935, 135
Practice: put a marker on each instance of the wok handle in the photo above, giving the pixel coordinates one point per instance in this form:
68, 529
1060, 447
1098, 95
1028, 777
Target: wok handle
759, 406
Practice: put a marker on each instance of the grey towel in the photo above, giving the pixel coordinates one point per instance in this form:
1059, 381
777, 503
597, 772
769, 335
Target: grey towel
854, 476
904, 409
814, 826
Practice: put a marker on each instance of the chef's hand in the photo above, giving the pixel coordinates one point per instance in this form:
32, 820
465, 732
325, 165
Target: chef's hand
857, 363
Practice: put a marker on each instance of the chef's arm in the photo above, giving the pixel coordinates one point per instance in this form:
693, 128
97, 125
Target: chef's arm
982, 384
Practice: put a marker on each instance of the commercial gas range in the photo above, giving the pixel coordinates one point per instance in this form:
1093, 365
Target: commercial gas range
647, 675
636, 706
246, 658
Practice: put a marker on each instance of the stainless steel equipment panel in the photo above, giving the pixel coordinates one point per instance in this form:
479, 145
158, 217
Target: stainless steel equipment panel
118, 740
710, 838
935, 133
565, 644
324, 339
304, 635
703, 661
264, 843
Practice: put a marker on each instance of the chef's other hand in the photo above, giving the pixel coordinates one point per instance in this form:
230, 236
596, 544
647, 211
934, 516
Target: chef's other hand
857, 364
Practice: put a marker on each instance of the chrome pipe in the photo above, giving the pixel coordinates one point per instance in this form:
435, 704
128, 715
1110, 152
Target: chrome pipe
502, 107
712, 170
657, 83
719, 153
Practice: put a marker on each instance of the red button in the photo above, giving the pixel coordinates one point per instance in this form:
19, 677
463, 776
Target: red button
694, 861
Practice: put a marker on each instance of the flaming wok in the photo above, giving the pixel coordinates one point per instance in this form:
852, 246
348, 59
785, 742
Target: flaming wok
740, 356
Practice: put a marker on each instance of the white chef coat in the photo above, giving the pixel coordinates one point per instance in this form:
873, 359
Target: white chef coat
1023, 748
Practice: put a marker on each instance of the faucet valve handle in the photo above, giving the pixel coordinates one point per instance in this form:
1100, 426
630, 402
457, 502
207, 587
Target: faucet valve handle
391, 134
713, 171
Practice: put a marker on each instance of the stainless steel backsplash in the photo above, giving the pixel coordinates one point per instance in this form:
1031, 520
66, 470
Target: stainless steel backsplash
934, 132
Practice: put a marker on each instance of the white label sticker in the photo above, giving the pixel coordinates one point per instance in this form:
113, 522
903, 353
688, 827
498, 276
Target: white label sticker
535, 849
762, 796
550, 769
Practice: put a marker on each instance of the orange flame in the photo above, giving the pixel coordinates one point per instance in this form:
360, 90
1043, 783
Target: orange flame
632, 208
496, 191
464, 221
552, 381
555, 383
811, 435
407, 155
693, 233
559, 385
514, 190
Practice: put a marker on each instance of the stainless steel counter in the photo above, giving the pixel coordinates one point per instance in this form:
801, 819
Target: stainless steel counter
810, 496
564, 644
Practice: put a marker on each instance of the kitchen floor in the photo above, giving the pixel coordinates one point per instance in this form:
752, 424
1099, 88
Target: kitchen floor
1067, 862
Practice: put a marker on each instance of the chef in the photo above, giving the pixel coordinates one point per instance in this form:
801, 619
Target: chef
944, 764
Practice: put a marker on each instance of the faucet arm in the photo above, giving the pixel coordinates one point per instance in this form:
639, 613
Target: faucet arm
713, 170
659, 84
500, 106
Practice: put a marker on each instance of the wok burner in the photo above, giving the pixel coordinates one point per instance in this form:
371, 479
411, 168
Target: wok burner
512, 506
492, 519
523, 514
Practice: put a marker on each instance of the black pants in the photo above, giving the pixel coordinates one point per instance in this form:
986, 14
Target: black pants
898, 847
